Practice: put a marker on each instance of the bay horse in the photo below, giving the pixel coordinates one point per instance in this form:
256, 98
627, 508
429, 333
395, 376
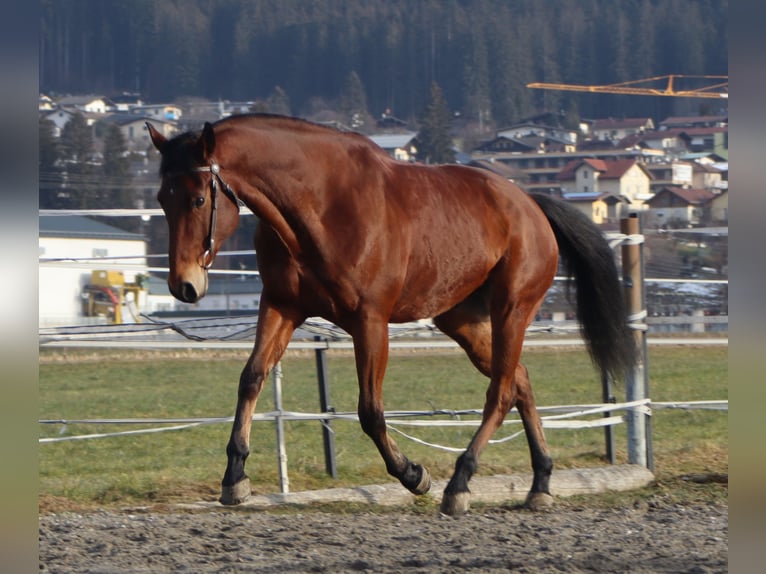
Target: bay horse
351, 235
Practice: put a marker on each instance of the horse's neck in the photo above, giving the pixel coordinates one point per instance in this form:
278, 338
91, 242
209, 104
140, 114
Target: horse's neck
274, 189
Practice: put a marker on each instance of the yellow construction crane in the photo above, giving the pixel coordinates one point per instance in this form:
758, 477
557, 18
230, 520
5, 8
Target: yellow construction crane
718, 89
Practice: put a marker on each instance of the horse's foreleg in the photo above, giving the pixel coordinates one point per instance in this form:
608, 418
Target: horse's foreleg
371, 353
539, 495
272, 336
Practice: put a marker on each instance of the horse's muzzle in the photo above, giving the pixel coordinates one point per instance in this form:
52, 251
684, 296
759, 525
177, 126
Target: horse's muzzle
186, 291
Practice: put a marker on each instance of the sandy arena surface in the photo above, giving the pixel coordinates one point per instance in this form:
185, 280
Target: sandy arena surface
649, 537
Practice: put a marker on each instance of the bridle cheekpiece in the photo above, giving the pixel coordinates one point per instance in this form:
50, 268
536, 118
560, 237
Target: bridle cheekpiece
215, 177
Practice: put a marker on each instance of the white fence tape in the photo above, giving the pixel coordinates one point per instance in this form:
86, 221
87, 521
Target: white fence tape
554, 421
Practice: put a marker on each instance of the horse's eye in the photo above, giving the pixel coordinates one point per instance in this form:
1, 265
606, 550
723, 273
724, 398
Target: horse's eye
199, 202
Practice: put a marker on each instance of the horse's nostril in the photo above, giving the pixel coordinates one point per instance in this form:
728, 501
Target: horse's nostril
188, 292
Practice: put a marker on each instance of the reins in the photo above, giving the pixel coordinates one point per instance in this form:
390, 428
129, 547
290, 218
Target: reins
215, 171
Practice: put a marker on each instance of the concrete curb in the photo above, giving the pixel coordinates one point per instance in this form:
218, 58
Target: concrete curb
488, 489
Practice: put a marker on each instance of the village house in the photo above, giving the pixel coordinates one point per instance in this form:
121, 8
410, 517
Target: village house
616, 129
677, 207
601, 207
681, 122
624, 178
133, 129
675, 172
61, 287
88, 104
718, 209
399, 146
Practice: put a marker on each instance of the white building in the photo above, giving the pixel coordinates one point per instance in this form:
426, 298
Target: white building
70, 248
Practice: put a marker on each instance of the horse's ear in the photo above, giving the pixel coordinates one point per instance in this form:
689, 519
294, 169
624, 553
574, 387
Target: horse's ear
207, 141
158, 139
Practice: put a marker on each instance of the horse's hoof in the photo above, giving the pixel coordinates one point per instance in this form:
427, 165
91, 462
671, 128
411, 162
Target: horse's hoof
425, 482
235, 494
455, 504
538, 500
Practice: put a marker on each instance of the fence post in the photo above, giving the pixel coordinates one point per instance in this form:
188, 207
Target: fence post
284, 482
328, 436
636, 384
608, 397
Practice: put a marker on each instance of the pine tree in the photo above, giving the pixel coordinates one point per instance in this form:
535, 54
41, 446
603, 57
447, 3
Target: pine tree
434, 138
116, 190
77, 145
47, 165
278, 102
353, 101
115, 161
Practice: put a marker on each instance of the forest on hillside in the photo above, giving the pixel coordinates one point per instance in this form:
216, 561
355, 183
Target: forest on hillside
481, 53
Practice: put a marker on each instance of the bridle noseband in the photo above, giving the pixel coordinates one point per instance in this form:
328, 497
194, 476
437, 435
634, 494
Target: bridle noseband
215, 176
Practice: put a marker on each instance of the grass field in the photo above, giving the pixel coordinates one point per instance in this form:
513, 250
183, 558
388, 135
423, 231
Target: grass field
188, 464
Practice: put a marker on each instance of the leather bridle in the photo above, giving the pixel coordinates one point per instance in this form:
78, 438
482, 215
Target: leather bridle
215, 177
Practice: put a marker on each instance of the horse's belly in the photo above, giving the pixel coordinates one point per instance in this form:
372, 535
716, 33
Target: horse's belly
434, 289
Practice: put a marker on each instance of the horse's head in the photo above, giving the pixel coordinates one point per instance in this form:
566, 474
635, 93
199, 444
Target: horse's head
199, 219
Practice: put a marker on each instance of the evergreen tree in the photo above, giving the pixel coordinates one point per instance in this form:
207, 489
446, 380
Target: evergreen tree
47, 166
77, 144
353, 101
435, 143
117, 190
116, 163
77, 140
476, 96
278, 102
49, 151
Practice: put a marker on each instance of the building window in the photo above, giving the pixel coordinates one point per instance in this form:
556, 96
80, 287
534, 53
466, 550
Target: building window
100, 252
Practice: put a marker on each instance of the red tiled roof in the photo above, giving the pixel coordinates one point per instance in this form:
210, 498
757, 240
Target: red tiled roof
608, 169
690, 195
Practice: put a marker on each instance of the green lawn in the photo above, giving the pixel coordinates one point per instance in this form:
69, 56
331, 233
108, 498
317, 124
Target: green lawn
175, 465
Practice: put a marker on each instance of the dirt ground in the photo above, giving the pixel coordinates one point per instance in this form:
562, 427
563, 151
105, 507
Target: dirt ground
648, 537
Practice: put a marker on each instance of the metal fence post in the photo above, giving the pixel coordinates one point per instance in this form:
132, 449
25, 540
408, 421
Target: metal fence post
284, 482
328, 436
636, 384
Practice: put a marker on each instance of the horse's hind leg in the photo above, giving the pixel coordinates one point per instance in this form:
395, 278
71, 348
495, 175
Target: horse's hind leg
274, 330
539, 495
473, 332
371, 352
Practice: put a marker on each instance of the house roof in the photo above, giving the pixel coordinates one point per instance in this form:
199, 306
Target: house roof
79, 100
591, 196
704, 167
620, 123
393, 141
125, 118
608, 169
689, 195
703, 131
683, 121
498, 167
79, 227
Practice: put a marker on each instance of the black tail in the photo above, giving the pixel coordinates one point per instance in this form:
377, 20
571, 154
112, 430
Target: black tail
600, 307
